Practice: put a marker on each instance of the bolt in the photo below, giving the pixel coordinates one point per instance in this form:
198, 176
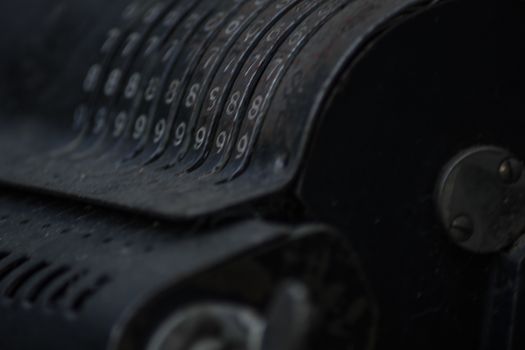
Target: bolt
510, 170
461, 229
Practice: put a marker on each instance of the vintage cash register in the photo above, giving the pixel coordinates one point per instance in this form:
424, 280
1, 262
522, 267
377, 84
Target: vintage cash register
262, 174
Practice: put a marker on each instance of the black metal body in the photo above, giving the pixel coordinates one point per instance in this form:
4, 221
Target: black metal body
78, 277
215, 117
244, 81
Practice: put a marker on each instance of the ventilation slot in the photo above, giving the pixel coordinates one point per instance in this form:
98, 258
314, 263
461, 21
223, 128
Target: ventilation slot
23, 278
69, 289
88, 293
11, 266
63, 290
40, 288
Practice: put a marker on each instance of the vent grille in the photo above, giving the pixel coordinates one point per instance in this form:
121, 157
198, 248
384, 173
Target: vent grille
22, 278
10, 266
47, 280
60, 288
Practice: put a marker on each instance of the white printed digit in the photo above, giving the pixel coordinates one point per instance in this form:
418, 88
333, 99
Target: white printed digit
120, 124
213, 54
180, 132
169, 52
242, 146
172, 92
152, 14
256, 59
274, 34
254, 31
256, 107
160, 128
214, 97
192, 96
234, 25
234, 103
111, 40
92, 78
133, 86
230, 64
140, 126
131, 43
129, 11
200, 137
151, 90
100, 121
151, 45
112, 82
221, 141
278, 66
214, 22
171, 19
296, 37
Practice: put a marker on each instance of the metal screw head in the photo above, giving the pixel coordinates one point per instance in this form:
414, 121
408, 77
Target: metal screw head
461, 229
480, 197
510, 170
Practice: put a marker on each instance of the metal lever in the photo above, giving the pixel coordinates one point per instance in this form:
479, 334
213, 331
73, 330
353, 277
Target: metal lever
290, 319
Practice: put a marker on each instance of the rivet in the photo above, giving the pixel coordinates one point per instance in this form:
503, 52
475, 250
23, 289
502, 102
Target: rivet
461, 229
510, 170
